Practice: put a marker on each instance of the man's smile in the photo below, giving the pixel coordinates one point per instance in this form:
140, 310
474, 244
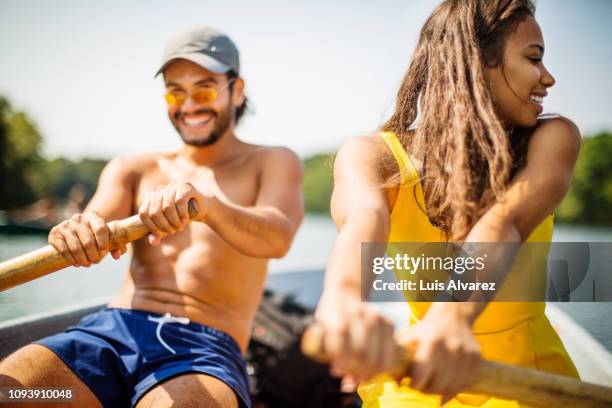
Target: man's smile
196, 121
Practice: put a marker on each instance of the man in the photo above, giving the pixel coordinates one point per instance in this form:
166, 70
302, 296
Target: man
176, 331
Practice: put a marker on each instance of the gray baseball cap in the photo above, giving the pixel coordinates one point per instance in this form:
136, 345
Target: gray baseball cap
204, 46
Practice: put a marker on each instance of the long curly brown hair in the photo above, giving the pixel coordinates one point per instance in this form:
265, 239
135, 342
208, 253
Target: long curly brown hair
469, 155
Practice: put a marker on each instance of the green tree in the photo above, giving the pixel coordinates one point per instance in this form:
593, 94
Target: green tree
62, 174
589, 200
21, 180
318, 183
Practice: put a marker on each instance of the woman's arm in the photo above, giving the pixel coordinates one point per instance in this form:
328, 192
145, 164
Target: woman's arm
535, 192
443, 340
359, 340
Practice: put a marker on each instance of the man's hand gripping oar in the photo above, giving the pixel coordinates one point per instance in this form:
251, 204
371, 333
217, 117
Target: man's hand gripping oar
43, 261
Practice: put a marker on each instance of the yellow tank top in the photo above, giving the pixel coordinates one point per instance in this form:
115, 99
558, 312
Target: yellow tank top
511, 332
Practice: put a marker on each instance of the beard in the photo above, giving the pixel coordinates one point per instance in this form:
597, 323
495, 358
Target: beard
222, 122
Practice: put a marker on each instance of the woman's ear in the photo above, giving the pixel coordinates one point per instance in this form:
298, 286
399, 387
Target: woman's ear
238, 94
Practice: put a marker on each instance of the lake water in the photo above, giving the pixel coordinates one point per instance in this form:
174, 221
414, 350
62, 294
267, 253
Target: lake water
310, 251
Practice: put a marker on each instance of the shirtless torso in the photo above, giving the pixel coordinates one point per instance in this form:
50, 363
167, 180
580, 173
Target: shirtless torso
195, 272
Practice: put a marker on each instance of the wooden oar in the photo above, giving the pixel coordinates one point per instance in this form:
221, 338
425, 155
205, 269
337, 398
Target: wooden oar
526, 385
45, 260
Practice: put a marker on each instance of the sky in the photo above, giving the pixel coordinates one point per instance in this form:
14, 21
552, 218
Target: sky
316, 72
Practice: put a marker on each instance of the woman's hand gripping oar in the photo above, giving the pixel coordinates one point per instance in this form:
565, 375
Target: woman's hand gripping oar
526, 385
43, 261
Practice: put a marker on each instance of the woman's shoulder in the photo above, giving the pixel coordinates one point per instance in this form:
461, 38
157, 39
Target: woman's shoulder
366, 149
563, 129
552, 154
554, 136
363, 143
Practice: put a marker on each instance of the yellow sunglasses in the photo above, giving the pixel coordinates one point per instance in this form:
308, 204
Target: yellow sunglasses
200, 95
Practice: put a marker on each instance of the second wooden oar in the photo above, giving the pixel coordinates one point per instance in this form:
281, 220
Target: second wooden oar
505, 381
43, 261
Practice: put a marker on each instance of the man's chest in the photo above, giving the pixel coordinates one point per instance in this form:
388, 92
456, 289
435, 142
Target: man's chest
230, 184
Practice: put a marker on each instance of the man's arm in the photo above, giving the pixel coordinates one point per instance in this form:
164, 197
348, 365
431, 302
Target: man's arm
85, 238
264, 230
114, 196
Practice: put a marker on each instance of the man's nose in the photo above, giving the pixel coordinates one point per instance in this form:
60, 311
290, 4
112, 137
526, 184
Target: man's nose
189, 105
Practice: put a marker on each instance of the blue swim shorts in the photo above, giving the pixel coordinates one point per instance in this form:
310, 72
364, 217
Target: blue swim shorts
120, 354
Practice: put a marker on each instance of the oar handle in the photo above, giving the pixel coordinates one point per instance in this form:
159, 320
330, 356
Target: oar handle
43, 261
505, 381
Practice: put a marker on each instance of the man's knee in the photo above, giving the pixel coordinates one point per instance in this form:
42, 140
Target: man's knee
25, 366
37, 366
190, 390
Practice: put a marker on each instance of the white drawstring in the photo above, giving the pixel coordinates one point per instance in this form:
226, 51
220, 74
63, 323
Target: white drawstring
160, 322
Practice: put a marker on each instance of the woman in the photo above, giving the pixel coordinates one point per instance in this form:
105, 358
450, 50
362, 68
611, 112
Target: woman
491, 170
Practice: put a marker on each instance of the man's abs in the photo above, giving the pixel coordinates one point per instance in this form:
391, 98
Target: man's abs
195, 274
